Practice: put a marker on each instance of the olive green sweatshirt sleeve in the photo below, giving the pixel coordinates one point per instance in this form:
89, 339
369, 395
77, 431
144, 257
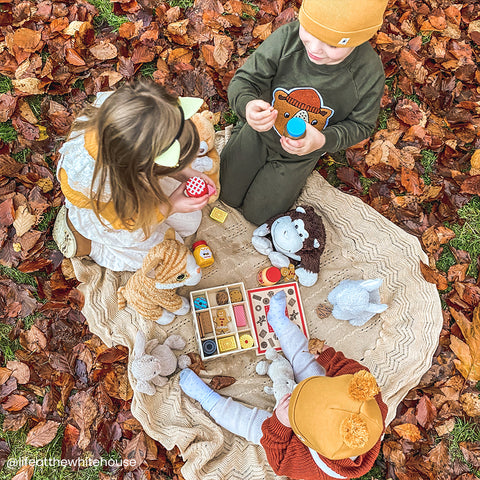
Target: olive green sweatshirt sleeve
362, 120
254, 79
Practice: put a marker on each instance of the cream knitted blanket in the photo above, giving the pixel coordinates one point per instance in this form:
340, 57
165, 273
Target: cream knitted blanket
397, 345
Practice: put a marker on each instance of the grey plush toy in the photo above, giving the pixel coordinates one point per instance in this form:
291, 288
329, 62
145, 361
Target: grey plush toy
153, 361
281, 373
356, 300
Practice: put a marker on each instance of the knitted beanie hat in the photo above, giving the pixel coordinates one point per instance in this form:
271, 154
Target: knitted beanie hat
342, 23
338, 417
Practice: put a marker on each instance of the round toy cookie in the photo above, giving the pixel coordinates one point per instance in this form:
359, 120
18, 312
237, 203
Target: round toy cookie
246, 341
236, 296
200, 303
209, 347
196, 187
222, 297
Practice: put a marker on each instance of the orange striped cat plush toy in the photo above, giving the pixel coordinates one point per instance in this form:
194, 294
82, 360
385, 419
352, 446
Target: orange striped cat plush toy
151, 291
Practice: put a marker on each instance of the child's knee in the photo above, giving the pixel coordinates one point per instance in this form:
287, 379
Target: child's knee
259, 212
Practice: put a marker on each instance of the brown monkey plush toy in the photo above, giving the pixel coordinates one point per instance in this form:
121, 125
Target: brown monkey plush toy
297, 236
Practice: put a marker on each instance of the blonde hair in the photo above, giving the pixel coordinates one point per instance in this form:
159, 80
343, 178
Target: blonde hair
134, 125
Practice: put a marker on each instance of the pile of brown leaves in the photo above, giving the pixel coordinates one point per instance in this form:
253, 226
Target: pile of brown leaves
430, 51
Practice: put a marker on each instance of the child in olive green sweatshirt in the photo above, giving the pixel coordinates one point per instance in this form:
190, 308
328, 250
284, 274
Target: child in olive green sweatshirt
321, 69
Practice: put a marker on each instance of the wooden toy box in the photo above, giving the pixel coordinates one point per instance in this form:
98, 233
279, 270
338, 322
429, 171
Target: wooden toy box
222, 320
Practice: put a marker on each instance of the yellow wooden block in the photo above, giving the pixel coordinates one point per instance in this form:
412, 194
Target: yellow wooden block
226, 344
218, 214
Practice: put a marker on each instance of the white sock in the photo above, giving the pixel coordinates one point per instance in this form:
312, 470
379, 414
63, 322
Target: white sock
292, 340
197, 389
276, 312
239, 419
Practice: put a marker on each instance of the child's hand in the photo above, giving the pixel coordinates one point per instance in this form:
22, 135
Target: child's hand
313, 140
187, 172
182, 204
282, 410
260, 115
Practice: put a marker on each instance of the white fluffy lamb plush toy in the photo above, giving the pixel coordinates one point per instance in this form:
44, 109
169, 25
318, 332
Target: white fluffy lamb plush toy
153, 361
281, 373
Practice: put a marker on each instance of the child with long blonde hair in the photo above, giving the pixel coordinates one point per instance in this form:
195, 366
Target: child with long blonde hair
122, 173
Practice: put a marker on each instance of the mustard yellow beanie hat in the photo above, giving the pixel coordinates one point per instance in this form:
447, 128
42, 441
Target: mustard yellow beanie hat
338, 417
342, 23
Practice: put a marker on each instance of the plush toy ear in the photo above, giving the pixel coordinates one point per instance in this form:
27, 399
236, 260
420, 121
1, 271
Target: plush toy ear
169, 234
139, 345
300, 210
370, 285
376, 307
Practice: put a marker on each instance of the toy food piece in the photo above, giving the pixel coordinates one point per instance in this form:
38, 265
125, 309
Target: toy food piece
200, 303
269, 276
222, 297
288, 273
226, 344
236, 295
209, 347
246, 341
204, 324
202, 253
196, 187
218, 214
239, 314
295, 128
221, 321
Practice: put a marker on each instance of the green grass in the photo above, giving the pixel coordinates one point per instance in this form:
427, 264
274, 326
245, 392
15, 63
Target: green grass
47, 458
414, 98
147, 69
7, 133
7, 346
47, 218
181, 3
467, 234
390, 83
22, 156
446, 260
426, 37
5, 84
79, 83
17, 276
230, 116
35, 102
51, 245
106, 15
464, 431
383, 117
428, 160
366, 182
29, 320
44, 55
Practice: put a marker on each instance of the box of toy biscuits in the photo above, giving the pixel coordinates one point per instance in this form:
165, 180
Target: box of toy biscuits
222, 320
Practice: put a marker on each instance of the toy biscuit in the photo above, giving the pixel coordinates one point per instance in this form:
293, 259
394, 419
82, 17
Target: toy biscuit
222, 297
204, 324
235, 295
